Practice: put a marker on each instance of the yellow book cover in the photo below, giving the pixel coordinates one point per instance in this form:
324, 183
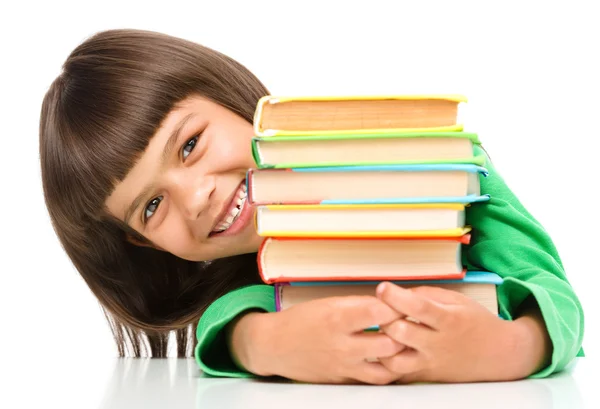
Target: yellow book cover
330, 115
369, 220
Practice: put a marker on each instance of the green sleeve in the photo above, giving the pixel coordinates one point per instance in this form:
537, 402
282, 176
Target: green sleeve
506, 239
211, 353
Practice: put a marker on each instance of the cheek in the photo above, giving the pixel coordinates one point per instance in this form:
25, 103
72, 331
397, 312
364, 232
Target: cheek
236, 152
174, 239
236, 146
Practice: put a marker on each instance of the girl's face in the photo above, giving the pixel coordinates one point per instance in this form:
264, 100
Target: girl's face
186, 191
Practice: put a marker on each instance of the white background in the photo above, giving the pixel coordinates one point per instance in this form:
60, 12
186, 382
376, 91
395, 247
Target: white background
530, 71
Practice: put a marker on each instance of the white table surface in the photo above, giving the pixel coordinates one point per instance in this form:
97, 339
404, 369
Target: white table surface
178, 383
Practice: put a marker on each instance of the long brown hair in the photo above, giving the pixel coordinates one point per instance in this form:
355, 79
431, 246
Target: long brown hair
97, 119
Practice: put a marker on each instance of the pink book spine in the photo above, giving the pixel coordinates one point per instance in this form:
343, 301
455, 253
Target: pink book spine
277, 289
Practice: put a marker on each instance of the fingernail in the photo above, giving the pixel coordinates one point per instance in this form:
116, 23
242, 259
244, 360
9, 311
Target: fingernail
380, 289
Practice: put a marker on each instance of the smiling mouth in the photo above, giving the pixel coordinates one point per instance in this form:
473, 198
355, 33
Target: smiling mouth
234, 210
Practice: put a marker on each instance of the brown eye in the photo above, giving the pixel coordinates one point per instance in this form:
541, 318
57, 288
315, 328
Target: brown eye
189, 146
151, 207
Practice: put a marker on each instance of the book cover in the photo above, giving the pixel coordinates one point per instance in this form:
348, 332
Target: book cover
361, 114
368, 220
366, 149
479, 285
283, 259
394, 183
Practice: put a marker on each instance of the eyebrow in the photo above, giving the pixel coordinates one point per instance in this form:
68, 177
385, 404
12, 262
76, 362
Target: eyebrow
167, 150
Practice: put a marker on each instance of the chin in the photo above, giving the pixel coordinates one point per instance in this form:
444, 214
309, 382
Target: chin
248, 244
250, 248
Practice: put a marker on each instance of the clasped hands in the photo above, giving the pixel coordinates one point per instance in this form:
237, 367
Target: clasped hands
448, 338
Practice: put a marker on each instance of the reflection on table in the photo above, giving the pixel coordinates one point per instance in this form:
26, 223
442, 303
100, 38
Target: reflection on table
173, 383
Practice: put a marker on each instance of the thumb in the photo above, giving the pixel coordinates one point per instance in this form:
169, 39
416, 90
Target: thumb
358, 313
439, 295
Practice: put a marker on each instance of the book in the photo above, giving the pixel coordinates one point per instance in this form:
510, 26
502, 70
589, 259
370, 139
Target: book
355, 184
313, 259
478, 285
365, 149
370, 220
357, 114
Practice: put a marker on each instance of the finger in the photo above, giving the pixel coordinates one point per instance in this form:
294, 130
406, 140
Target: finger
411, 304
408, 333
374, 373
376, 345
405, 365
440, 295
357, 313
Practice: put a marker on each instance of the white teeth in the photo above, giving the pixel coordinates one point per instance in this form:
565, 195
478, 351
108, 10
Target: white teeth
233, 213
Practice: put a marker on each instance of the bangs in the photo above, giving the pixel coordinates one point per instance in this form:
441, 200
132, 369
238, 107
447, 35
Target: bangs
110, 101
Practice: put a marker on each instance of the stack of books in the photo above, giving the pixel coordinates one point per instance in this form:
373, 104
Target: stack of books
351, 191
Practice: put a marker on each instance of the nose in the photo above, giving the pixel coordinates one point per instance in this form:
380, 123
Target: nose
194, 194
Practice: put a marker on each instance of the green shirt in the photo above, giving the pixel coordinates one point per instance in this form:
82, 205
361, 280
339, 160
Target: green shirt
505, 239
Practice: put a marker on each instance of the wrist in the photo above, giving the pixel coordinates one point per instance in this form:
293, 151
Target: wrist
246, 336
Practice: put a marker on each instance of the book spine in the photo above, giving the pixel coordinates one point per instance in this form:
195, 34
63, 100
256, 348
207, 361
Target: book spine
478, 160
470, 277
250, 185
256, 154
464, 239
463, 200
456, 232
258, 114
277, 288
314, 279
260, 259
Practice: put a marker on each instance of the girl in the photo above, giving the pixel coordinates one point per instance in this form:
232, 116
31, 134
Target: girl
144, 145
